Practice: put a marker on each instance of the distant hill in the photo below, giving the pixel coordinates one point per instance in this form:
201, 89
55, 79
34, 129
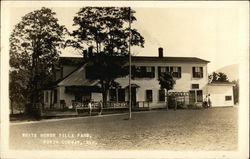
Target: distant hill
232, 71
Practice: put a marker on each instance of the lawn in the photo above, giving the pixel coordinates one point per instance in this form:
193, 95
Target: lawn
212, 129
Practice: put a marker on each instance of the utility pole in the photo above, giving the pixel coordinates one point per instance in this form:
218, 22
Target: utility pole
129, 49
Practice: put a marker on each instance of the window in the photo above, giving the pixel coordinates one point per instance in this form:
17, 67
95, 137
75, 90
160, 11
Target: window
149, 95
121, 95
148, 69
161, 95
195, 86
176, 71
195, 96
78, 98
197, 72
55, 96
144, 72
162, 70
112, 95
47, 97
115, 94
228, 98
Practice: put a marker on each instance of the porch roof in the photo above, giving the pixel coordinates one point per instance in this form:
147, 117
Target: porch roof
133, 85
77, 78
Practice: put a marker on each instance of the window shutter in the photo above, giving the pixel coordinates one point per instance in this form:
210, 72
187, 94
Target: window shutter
171, 69
143, 71
143, 68
201, 68
167, 69
193, 68
153, 71
179, 72
159, 71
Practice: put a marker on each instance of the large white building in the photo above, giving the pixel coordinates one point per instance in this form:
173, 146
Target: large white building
190, 74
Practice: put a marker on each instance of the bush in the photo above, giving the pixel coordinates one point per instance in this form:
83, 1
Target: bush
34, 110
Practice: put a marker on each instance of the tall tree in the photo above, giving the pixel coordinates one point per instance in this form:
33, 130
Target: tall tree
166, 82
218, 77
34, 49
107, 31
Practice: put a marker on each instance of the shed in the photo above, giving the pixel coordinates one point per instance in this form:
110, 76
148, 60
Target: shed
221, 94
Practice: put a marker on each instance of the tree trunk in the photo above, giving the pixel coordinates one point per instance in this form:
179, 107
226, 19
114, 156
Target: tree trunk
104, 98
104, 94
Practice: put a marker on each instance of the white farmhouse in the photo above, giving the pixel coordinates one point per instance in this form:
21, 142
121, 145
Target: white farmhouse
72, 84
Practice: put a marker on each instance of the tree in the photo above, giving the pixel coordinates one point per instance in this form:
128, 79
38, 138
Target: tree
107, 31
236, 91
34, 50
218, 77
106, 68
18, 90
166, 82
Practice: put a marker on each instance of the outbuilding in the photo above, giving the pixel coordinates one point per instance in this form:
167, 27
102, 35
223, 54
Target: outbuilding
221, 94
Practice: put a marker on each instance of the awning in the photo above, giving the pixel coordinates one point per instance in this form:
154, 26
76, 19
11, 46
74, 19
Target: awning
133, 85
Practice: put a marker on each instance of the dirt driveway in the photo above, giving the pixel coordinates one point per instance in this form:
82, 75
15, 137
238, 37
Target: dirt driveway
212, 129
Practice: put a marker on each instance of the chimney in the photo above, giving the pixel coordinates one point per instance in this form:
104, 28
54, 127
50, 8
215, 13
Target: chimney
160, 50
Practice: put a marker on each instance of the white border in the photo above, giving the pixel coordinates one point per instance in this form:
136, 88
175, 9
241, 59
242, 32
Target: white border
244, 84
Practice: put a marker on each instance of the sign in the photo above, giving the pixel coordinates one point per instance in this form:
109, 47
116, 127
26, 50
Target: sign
178, 93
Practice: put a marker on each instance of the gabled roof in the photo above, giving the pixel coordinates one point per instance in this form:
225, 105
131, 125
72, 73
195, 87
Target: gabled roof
76, 78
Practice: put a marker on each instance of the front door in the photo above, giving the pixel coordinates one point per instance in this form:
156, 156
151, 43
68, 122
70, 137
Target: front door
192, 99
195, 96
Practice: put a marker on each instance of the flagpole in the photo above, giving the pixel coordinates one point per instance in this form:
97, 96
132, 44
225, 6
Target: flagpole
129, 49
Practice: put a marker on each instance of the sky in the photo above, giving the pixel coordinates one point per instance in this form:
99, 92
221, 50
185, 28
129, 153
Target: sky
212, 33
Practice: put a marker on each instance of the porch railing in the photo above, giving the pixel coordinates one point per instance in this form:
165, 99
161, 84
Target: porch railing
109, 104
142, 104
